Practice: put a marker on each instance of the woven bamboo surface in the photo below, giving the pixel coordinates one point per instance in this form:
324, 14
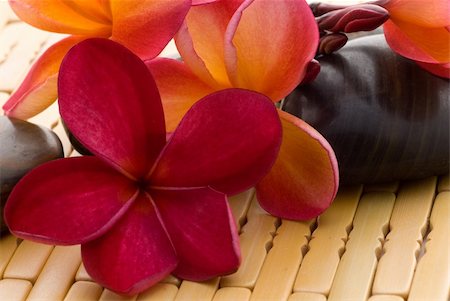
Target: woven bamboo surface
385, 242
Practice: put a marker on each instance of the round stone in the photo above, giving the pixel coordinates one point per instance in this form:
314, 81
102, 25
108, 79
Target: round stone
23, 146
386, 118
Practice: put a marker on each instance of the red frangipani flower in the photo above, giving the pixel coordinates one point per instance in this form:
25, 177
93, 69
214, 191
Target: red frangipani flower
141, 207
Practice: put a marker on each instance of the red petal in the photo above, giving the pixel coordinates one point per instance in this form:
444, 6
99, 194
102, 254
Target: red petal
228, 140
38, 90
135, 254
179, 88
146, 26
201, 2
112, 105
304, 180
202, 229
68, 201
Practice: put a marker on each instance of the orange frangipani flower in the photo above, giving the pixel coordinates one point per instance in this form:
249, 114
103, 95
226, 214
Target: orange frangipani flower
420, 30
264, 46
143, 26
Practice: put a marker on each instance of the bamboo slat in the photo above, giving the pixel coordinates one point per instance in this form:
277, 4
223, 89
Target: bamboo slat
327, 243
200, 291
20, 268
14, 289
8, 246
384, 242
432, 276
84, 291
356, 269
407, 228
232, 293
278, 272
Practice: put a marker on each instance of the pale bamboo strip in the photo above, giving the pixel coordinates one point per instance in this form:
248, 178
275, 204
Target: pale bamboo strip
67, 146
4, 14
356, 269
3, 98
14, 289
108, 295
278, 273
58, 274
407, 227
232, 294
255, 238
327, 244
239, 206
52, 39
21, 267
82, 274
444, 183
84, 291
307, 297
75, 153
11, 15
198, 291
19, 58
8, 39
387, 187
8, 246
48, 118
387, 298
172, 280
159, 292
432, 276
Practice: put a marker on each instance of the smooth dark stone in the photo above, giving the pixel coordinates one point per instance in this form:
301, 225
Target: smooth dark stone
385, 117
23, 146
75, 143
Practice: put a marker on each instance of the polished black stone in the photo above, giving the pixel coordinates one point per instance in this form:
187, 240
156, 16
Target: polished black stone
23, 146
385, 117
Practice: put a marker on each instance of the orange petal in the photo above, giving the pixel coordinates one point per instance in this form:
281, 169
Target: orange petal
201, 49
83, 18
304, 180
179, 88
268, 45
146, 26
431, 45
39, 88
429, 13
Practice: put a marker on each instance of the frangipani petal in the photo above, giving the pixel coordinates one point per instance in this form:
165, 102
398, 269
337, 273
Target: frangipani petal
85, 18
39, 88
201, 2
442, 70
304, 180
228, 140
68, 201
202, 229
430, 13
429, 45
135, 254
201, 49
268, 45
125, 122
146, 26
179, 88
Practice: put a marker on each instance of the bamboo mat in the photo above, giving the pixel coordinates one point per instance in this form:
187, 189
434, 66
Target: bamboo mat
385, 242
